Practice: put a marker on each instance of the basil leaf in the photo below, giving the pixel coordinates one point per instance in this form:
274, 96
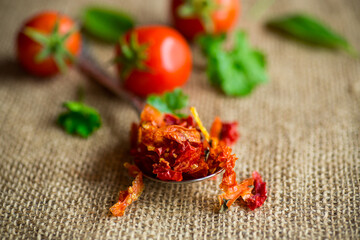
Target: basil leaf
310, 30
106, 24
169, 102
237, 71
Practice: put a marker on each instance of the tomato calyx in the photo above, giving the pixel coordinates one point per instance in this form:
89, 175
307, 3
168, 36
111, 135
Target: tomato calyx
202, 9
132, 56
53, 45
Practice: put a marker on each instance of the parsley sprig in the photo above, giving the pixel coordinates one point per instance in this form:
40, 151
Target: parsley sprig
237, 71
79, 119
169, 102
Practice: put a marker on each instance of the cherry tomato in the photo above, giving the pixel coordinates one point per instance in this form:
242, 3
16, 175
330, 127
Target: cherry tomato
153, 59
42, 38
211, 16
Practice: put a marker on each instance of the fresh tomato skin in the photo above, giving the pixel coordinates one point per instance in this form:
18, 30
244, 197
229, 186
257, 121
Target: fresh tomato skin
223, 19
27, 49
169, 61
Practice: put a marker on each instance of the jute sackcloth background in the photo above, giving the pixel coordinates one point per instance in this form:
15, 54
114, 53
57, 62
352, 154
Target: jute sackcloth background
300, 131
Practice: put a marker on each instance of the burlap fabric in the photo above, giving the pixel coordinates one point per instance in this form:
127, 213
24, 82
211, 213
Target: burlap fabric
300, 131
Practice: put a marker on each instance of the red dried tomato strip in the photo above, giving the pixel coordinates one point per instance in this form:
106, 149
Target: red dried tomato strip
131, 194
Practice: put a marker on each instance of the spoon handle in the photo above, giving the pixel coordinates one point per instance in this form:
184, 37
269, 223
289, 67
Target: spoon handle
88, 65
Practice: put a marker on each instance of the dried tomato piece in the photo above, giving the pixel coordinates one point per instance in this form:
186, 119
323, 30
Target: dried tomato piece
224, 131
187, 122
170, 119
221, 157
167, 174
258, 194
153, 136
252, 191
198, 170
229, 133
131, 194
164, 171
152, 115
181, 134
188, 158
215, 129
234, 192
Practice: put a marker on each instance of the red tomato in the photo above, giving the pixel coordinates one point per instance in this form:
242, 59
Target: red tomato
222, 18
28, 48
160, 60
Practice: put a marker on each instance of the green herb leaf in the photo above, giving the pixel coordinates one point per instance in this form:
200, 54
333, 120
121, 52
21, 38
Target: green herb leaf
169, 102
236, 72
310, 30
79, 119
106, 24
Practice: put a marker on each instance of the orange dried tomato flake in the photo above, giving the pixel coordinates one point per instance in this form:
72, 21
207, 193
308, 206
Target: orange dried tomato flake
252, 191
131, 194
215, 129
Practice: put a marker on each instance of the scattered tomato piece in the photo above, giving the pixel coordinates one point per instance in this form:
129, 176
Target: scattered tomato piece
130, 195
229, 133
258, 194
224, 131
252, 191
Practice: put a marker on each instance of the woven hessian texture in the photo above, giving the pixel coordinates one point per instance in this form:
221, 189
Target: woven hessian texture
300, 131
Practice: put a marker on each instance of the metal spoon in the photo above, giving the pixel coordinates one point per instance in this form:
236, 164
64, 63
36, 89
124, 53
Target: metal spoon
88, 65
